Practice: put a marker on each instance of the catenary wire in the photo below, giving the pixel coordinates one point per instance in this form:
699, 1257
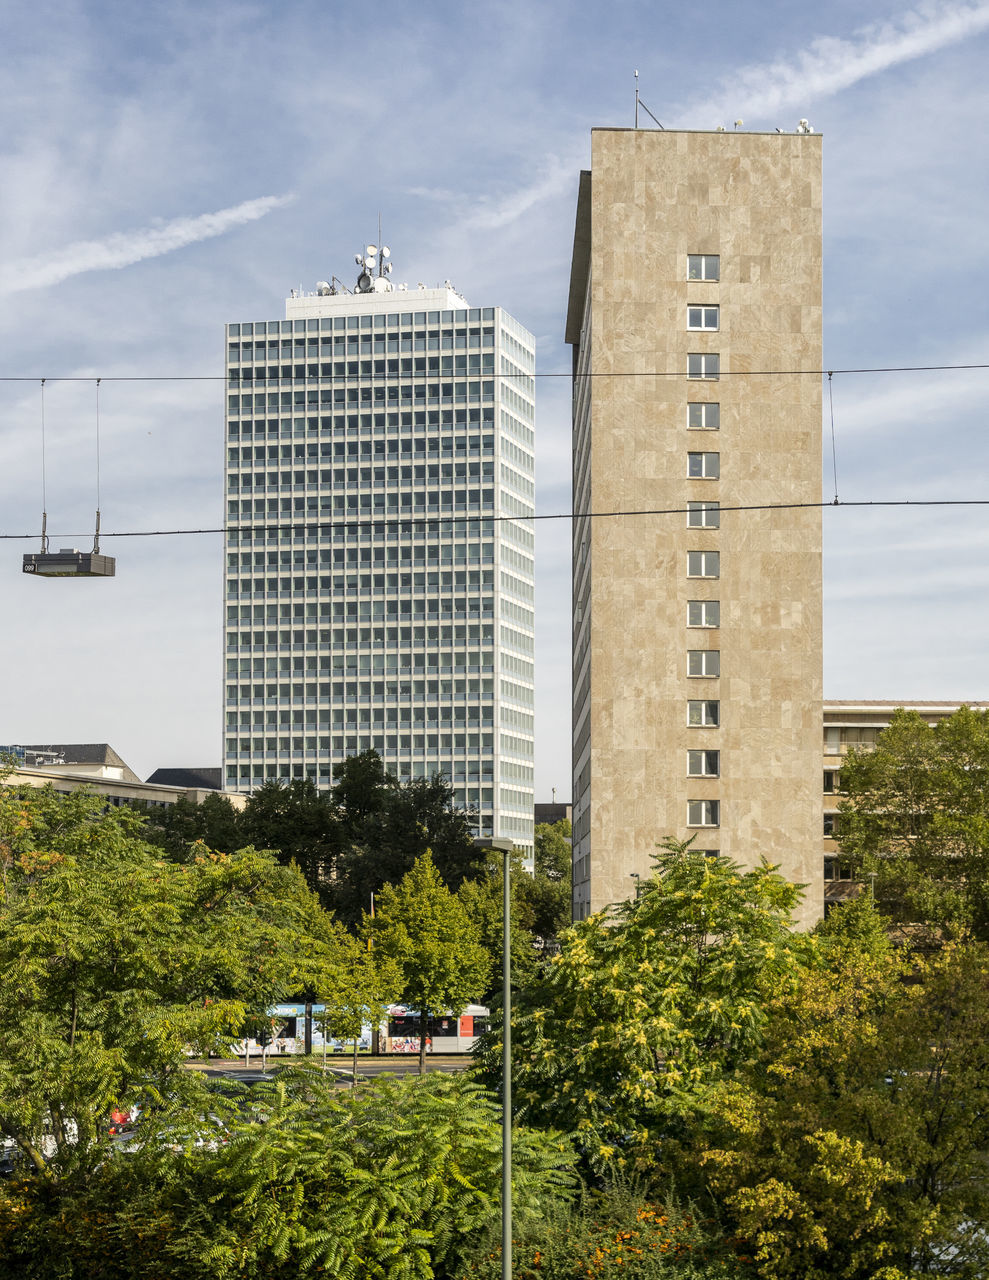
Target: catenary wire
400, 521
834, 453
575, 377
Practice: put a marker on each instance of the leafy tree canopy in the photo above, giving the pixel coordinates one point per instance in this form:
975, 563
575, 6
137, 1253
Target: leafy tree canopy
424, 930
643, 1010
114, 960
916, 814
545, 896
213, 821
296, 821
853, 1145
483, 901
388, 825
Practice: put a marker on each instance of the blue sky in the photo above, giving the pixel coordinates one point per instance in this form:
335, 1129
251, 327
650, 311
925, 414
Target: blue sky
170, 167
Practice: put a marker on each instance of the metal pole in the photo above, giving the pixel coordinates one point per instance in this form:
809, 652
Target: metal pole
506, 1074
506, 848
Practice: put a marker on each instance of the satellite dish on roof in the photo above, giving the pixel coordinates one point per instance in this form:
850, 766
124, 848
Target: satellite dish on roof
363, 282
371, 250
385, 251
323, 288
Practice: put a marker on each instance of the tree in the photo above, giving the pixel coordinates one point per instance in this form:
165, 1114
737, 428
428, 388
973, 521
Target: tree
386, 825
423, 928
483, 900
853, 1145
213, 822
115, 961
360, 791
367, 981
545, 896
296, 822
916, 814
643, 1011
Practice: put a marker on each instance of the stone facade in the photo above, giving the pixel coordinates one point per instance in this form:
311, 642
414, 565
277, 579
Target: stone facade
697, 632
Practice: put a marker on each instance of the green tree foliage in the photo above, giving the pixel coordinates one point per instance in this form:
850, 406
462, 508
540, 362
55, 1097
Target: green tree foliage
424, 930
545, 896
853, 1147
397, 1182
916, 813
213, 822
483, 900
365, 832
114, 960
296, 821
367, 982
643, 1011
387, 825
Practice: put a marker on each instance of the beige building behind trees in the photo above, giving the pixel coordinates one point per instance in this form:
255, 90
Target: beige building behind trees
695, 322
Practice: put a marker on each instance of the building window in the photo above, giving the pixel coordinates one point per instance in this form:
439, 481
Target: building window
832, 782
703, 764
830, 821
703, 266
703, 813
702, 318
705, 662
703, 564
833, 870
703, 417
703, 713
704, 365
703, 613
707, 853
703, 466
703, 515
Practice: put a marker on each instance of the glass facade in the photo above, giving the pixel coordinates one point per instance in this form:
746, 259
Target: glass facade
379, 549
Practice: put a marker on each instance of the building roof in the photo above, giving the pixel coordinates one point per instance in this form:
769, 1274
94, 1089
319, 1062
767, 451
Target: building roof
208, 779
907, 704
62, 755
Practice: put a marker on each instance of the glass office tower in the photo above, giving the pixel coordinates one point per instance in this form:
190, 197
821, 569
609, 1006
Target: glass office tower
379, 546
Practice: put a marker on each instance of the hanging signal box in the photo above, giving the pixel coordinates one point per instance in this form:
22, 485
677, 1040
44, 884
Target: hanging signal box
69, 563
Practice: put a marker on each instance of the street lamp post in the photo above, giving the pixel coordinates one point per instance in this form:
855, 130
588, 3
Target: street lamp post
506, 848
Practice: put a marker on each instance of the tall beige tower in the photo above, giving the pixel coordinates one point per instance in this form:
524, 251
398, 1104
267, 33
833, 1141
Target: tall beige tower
695, 321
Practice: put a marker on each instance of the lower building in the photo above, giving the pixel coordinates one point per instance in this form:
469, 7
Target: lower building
69, 767
856, 726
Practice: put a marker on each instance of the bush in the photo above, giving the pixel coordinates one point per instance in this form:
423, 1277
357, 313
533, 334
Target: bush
616, 1233
396, 1181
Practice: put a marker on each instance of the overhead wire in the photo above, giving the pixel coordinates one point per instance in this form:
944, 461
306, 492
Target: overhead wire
574, 377
417, 521
399, 521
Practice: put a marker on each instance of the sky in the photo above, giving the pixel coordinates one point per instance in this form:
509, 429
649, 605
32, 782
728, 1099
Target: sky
167, 168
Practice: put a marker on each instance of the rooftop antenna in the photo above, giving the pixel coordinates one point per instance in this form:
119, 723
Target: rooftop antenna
639, 103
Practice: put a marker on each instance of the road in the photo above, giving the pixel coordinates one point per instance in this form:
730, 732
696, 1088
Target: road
395, 1064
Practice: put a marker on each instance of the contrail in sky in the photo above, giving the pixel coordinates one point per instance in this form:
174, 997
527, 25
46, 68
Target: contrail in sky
123, 248
830, 64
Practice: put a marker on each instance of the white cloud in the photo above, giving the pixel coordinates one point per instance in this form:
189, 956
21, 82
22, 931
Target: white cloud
489, 213
829, 65
123, 248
